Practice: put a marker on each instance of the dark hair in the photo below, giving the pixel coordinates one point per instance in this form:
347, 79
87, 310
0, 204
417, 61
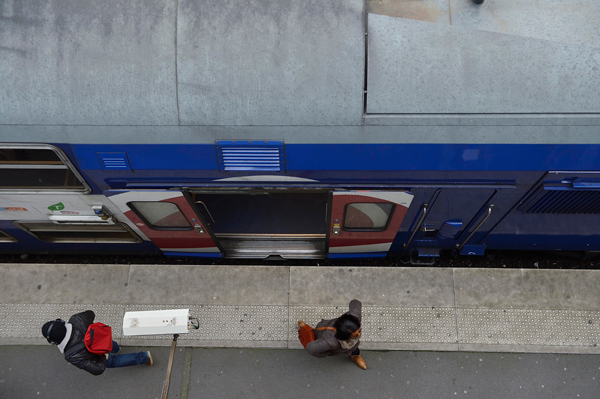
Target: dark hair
345, 326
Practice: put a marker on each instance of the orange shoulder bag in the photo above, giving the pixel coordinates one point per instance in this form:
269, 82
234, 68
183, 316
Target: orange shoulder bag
306, 334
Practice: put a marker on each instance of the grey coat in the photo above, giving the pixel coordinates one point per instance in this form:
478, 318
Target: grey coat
325, 343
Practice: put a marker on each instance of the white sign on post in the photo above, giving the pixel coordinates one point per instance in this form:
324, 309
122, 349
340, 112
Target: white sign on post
153, 322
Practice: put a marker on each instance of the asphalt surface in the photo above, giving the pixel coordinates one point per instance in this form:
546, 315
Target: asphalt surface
41, 372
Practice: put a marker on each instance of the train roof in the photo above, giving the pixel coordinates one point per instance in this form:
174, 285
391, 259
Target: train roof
300, 70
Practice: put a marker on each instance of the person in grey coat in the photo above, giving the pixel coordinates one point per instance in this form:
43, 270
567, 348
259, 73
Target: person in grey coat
339, 337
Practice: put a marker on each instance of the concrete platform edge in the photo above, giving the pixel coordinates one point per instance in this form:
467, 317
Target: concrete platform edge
478, 310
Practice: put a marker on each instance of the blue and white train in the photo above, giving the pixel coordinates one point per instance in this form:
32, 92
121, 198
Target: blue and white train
299, 128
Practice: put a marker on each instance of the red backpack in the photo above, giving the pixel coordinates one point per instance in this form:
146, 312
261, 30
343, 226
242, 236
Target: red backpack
98, 339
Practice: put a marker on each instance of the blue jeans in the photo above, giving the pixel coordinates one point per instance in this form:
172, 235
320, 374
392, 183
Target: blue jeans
128, 359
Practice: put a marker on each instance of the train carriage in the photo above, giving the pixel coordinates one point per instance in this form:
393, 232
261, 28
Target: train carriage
302, 129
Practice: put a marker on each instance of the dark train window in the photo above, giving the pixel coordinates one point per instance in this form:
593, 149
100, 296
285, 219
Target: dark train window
160, 215
367, 216
4, 237
72, 233
37, 168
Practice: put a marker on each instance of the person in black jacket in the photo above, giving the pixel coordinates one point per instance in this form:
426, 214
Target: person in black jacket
69, 339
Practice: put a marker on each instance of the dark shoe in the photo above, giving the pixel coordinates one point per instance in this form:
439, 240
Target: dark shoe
360, 362
151, 362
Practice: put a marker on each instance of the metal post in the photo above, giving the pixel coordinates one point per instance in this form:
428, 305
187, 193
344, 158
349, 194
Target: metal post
165, 391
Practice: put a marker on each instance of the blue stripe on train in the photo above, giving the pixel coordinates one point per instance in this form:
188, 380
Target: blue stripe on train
362, 157
463, 157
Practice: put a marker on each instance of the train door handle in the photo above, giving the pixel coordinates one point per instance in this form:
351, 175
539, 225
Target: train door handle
207, 211
418, 225
489, 213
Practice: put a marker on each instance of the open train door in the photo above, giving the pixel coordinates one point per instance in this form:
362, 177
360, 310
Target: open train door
365, 223
168, 219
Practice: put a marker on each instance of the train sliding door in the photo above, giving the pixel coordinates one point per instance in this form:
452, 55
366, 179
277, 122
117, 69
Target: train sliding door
452, 219
262, 223
168, 219
365, 223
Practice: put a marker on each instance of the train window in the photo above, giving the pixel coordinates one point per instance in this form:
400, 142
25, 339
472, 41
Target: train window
160, 215
373, 216
73, 233
4, 237
37, 168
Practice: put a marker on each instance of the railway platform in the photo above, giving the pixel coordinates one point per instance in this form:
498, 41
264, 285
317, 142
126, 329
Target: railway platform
426, 308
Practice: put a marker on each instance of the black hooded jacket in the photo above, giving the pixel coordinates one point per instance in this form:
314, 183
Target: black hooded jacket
81, 358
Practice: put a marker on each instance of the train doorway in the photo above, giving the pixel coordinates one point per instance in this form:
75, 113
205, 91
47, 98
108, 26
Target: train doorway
258, 223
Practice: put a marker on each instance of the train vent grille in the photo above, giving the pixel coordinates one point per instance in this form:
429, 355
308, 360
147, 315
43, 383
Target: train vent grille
255, 156
113, 160
567, 202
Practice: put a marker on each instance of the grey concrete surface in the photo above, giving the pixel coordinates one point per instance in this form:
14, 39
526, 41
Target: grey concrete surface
573, 21
87, 63
527, 289
405, 308
40, 371
378, 129
558, 328
142, 68
43, 284
209, 285
404, 287
299, 62
420, 67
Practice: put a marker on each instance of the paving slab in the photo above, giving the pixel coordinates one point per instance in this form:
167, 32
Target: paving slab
225, 326
527, 289
210, 285
375, 286
555, 328
58, 283
411, 308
